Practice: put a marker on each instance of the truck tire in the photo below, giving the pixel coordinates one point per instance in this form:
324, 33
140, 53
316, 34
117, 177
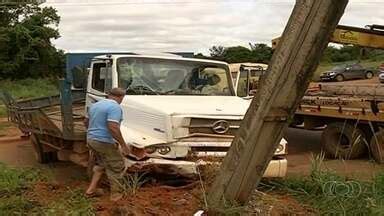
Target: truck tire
377, 147
368, 75
343, 140
339, 78
40, 155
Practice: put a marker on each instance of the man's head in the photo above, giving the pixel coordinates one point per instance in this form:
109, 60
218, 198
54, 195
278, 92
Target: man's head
213, 79
116, 94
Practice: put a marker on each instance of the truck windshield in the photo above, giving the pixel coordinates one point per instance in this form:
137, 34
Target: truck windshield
146, 76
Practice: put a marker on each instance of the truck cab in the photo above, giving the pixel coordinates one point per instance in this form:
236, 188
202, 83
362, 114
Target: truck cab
246, 77
182, 111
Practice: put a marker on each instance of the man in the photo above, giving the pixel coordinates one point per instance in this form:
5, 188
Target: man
103, 138
211, 87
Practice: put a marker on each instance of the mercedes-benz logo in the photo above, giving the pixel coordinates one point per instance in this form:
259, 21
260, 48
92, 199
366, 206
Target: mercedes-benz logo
220, 126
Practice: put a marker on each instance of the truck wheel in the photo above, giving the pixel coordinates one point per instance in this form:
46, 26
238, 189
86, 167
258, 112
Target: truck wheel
40, 155
339, 78
377, 147
344, 141
368, 75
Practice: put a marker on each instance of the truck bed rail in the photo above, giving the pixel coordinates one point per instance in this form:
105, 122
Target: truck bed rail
43, 115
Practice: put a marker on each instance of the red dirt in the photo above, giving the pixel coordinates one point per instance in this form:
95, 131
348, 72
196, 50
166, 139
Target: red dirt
151, 200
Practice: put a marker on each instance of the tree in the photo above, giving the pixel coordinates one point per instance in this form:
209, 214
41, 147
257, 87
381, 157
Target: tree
237, 54
26, 31
345, 53
217, 51
261, 52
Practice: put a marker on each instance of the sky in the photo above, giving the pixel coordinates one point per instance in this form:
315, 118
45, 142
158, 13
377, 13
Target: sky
183, 25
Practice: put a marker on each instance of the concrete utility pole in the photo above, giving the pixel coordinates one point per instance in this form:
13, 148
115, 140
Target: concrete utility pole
293, 63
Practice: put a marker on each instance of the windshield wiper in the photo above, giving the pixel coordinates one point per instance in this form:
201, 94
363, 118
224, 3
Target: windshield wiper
181, 92
141, 89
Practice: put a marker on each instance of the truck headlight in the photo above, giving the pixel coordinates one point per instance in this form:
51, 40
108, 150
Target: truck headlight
163, 150
279, 149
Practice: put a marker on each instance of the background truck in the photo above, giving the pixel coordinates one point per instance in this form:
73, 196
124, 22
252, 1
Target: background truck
352, 114
173, 110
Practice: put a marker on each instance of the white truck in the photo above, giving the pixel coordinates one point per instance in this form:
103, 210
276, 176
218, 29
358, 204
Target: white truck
183, 111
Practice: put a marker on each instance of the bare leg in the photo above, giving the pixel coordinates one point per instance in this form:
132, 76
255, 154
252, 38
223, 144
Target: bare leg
96, 176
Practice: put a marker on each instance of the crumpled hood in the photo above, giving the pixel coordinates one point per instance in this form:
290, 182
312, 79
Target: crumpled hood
189, 105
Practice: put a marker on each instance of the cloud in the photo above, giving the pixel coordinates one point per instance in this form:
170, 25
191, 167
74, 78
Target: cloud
183, 25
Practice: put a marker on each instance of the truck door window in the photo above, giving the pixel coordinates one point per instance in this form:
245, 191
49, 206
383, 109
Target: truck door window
101, 77
242, 84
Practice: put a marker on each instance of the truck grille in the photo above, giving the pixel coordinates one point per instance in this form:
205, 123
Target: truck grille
214, 126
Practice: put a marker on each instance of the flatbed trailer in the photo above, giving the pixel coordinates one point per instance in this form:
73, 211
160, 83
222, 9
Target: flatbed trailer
353, 115
42, 119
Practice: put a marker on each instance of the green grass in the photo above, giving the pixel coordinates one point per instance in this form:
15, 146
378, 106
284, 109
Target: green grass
16, 198
29, 88
131, 183
331, 194
72, 203
3, 111
14, 182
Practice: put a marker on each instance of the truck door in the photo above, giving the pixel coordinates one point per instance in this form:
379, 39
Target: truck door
99, 81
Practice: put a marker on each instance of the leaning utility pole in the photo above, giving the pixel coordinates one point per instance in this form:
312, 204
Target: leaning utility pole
293, 63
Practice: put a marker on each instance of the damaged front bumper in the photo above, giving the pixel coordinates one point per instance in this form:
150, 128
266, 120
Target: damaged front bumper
190, 169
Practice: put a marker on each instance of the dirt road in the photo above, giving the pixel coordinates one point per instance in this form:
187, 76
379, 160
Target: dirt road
16, 151
303, 143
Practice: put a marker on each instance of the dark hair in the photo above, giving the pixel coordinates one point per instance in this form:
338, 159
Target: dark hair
117, 92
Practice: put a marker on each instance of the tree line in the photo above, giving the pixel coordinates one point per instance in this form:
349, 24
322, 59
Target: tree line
262, 53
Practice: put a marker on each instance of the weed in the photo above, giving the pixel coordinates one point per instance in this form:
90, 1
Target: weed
72, 203
131, 183
227, 208
13, 181
17, 205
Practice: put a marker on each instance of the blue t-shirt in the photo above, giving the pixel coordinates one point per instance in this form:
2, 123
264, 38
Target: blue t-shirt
99, 114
